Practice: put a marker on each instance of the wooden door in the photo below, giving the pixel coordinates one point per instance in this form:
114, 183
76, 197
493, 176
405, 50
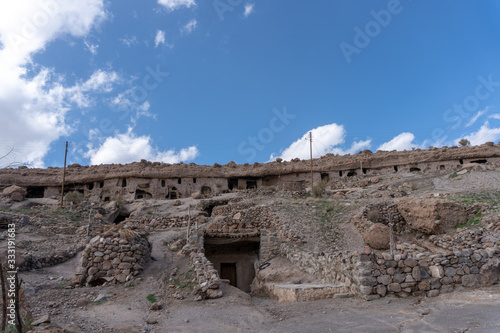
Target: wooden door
228, 272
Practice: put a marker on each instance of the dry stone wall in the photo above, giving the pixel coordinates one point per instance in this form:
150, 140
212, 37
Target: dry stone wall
431, 274
350, 268
209, 282
114, 259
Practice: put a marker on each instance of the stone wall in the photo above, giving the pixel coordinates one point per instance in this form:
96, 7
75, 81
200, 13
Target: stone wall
113, 259
431, 274
417, 273
351, 268
32, 261
209, 282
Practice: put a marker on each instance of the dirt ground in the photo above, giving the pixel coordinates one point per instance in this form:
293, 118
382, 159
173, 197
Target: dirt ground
127, 311
127, 308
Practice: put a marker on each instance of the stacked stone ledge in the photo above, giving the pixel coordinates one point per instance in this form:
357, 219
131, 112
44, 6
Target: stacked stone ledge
209, 282
112, 259
428, 274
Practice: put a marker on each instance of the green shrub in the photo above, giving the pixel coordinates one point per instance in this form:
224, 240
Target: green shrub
319, 189
151, 298
73, 197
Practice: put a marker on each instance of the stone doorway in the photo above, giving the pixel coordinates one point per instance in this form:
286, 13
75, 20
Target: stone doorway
234, 259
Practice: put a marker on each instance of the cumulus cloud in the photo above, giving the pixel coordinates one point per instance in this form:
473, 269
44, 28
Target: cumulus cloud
171, 5
160, 38
249, 9
35, 108
127, 148
325, 140
189, 27
484, 134
401, 142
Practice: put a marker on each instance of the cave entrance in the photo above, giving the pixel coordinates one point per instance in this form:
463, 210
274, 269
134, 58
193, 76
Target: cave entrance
206, 190
35, 192
232, 183
140, 194
122, 216
234, 259
251, 185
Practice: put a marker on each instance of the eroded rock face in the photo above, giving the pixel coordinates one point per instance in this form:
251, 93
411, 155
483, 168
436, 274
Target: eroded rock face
432, 216
378, 236
15, 192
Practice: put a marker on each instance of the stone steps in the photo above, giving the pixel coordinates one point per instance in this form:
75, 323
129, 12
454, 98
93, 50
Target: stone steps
306, 292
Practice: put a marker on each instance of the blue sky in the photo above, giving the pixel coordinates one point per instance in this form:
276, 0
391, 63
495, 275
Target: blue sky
215, 81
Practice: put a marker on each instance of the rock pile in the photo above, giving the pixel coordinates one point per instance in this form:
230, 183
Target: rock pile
116, 259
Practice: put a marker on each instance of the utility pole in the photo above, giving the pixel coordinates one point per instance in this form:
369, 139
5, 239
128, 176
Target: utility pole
311, 151
64, 174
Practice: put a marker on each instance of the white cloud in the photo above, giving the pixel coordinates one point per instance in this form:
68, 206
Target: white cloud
189, 27
125, 106
129, 41
35, 108
324, 138
28, 26
401, 142
171, 5
476, 117
249, 9
91, 47
494, 116
484, 134
160, 38
127, 148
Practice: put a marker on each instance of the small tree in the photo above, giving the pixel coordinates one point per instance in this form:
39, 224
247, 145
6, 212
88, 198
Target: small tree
464, 142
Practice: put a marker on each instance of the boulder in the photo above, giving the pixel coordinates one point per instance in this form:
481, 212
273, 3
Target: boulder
432, 216
489, 274
378, 236
15, 192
